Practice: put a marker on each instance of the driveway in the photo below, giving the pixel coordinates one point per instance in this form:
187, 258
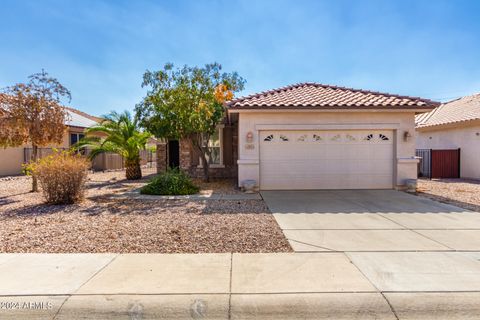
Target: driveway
371, 220
422, 256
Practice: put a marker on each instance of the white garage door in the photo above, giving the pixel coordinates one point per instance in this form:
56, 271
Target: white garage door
336, 159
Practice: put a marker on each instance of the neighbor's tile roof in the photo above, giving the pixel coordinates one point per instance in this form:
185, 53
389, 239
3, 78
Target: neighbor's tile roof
77, 118
456, 111
320, 96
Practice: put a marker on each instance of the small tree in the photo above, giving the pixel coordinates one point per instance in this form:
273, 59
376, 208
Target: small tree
187, 103
32, 113
122, 136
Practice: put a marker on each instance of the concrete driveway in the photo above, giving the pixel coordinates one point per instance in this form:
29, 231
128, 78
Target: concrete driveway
422, 256
371, 220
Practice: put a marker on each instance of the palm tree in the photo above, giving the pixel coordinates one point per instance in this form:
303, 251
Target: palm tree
122, 136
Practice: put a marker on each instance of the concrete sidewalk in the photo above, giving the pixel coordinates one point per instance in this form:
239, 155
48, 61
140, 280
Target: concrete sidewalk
357, 285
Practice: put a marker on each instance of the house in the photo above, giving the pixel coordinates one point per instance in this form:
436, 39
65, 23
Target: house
454, 125
311, 136
13, 158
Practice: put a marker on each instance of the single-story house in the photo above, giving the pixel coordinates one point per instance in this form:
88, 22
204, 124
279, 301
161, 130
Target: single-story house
13, 158
454, 125
311, 136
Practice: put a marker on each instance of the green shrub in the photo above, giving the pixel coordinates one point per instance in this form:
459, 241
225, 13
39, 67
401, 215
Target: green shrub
172, 182
62, 177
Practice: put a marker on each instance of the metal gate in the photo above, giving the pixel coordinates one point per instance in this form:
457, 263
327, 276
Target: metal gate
439, 164
424, 164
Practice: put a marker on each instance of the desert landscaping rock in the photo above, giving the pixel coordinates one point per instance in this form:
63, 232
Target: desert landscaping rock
463, 193
104, 224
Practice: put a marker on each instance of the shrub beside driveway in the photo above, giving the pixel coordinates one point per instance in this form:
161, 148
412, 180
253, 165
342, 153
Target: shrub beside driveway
104, 224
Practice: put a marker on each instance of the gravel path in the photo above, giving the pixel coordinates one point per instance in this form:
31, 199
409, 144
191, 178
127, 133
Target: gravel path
102, 224
463, 193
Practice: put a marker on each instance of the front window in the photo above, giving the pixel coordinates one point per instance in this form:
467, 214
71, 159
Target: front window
214, 145
214, 148
75, 137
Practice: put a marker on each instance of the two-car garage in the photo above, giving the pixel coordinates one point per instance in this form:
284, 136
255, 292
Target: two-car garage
326, 159
316, 136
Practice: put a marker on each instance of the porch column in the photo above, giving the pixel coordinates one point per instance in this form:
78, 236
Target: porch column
162, 157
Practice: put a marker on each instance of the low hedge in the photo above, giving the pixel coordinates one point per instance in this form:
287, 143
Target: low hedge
172, 182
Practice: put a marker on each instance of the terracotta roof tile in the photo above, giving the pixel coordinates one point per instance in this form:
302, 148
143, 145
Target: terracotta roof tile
456, 111
319, 96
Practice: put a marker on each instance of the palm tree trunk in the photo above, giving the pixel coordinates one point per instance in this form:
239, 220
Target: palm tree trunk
133, 170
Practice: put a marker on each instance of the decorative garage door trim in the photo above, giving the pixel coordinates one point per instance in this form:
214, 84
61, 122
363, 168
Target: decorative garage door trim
326, 159
321, 136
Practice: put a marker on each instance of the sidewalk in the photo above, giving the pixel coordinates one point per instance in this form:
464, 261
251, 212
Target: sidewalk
360, 285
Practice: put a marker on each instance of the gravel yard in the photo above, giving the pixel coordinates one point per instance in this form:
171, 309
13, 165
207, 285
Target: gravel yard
103, 224
463, 193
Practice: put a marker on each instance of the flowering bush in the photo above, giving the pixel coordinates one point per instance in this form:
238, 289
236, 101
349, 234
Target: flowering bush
62, 177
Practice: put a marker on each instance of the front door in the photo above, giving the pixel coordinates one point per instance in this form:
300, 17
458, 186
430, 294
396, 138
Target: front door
173, 154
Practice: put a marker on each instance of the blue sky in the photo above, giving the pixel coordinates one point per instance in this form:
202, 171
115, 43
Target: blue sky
100, 49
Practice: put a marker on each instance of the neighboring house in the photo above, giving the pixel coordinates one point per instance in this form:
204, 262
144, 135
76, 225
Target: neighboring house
454, 125
311, 136
13, 158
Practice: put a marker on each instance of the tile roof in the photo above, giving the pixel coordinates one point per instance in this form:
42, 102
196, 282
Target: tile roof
456, 111
319, 96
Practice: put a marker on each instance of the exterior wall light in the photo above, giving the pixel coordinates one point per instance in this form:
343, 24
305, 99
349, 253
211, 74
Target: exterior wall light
407, 136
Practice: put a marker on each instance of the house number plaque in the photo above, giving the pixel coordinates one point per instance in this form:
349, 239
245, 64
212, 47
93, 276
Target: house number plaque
249, 146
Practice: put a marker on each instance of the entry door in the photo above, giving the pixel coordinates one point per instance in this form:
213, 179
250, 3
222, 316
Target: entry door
334, 159
173, 154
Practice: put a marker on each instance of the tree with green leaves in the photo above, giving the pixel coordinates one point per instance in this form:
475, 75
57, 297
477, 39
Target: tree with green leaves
32, 113
187, 103
123, 136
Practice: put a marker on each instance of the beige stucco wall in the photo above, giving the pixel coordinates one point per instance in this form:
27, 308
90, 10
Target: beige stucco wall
466, 137
11, 159
405, 166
